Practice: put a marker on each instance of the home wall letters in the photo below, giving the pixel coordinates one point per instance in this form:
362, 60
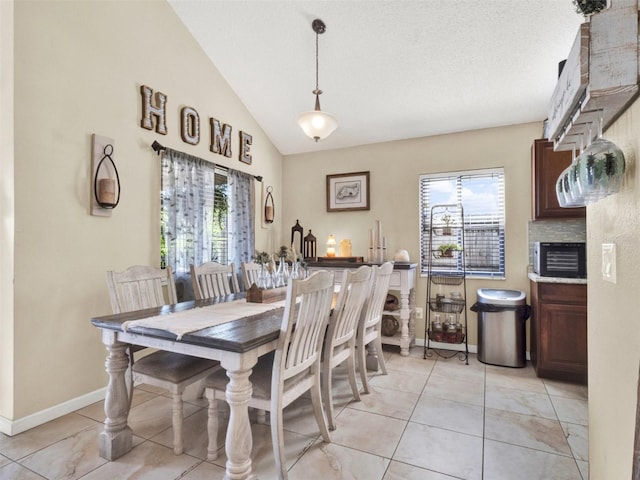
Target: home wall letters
154, 107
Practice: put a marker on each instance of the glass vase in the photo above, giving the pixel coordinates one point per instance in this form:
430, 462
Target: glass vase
295, 271
600, 168
264, 278
282, 274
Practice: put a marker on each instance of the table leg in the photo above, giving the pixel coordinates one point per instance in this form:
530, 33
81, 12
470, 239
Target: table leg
115, 439
405, 317
239, 441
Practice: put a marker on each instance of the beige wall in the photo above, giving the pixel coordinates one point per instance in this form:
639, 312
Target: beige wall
6, 206
394, 169
78, 70
614, 326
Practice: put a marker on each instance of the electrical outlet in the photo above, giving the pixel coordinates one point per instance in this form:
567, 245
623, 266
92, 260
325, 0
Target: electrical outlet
419, 313
609, 262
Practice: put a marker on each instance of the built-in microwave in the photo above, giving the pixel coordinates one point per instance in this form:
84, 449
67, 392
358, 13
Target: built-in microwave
560, 259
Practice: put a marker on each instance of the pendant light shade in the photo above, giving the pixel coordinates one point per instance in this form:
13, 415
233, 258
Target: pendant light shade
317, 124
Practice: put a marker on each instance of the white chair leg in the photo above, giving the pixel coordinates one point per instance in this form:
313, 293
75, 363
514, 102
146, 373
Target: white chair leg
327, 398
278, 444
380, 354
178, 447
261, 416
316, 401
362, 367
212, 425
351, 370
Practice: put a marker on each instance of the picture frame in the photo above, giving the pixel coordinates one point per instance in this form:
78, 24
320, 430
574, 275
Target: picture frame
348, 192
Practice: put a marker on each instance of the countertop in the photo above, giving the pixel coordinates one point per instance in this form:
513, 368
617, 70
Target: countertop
534, 277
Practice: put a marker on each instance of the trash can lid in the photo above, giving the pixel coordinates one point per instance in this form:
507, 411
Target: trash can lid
501, 297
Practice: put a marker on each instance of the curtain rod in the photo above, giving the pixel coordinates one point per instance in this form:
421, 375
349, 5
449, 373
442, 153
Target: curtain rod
157, 147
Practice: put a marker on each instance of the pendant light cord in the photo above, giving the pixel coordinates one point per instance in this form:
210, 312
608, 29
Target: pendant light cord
317, 87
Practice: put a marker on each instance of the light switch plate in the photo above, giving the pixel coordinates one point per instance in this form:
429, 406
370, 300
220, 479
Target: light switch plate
609, 262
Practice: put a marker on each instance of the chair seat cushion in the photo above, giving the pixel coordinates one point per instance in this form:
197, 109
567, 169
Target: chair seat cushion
172, 367
260, 378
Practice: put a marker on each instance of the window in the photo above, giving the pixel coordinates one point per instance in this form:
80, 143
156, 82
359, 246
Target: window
481, 194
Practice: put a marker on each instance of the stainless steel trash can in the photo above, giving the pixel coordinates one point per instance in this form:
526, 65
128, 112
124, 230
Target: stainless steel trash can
502, 316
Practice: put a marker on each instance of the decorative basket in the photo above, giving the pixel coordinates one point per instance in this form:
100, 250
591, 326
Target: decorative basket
447, 279
389, 325
446, 305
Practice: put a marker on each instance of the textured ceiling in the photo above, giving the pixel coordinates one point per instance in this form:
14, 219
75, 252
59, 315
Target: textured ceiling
389, 69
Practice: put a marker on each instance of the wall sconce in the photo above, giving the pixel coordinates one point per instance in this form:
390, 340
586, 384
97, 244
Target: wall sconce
106, 181
331, 246
269, 206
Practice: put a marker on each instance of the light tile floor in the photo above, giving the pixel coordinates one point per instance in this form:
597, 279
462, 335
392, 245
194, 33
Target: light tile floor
431, 419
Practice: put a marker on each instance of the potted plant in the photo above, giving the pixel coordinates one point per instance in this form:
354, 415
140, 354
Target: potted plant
589, 7
448, 222
447, 249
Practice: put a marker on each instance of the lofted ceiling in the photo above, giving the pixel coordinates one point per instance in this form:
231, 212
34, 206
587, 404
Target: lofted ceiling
389, 69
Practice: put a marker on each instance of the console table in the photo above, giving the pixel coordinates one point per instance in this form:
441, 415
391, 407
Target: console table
403, 280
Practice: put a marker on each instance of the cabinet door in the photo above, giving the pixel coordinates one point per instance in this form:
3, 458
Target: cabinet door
562, 337
546, 167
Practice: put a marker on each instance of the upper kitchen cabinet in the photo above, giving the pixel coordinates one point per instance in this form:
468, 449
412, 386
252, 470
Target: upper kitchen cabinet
546, 167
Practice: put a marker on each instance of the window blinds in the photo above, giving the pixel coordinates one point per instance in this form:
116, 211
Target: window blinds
481, 194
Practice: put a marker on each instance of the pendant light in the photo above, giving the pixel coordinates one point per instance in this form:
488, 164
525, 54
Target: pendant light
316, 123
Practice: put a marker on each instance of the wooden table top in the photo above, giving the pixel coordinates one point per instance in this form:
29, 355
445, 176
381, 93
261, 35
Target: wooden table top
239, 335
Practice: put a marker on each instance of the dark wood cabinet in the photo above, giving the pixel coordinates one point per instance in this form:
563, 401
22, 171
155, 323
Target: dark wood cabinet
559, 331
546, 167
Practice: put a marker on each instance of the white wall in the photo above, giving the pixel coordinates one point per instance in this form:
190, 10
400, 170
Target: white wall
78, 70
394, 169
613, 321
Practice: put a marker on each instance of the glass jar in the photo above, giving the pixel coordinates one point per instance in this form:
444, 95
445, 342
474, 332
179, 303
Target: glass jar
452, 333
436, 329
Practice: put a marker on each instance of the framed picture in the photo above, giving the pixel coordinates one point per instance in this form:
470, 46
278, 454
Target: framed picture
348, 191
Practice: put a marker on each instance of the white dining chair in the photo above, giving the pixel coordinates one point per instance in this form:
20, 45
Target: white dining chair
212, 279
340, 341
371, 320
140, 287
281, 377
250, 273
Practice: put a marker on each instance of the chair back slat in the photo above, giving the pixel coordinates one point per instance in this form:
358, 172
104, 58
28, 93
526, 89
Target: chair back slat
373, 308
213, 279
140, 287
308, 306
354, 290
250, 273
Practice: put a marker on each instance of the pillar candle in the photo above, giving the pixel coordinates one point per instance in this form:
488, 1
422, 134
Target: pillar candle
268, 213
107, 191
378, 234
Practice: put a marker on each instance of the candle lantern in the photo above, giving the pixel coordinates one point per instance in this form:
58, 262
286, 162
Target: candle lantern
104, 188
331, 246
297, 230
310, 246
269, 206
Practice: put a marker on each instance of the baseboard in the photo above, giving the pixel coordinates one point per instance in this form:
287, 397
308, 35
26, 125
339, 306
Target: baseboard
13, 427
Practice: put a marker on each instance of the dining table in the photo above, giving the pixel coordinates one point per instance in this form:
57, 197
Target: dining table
228, 329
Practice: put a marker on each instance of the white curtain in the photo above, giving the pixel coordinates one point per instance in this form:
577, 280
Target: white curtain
186, 209
241, 217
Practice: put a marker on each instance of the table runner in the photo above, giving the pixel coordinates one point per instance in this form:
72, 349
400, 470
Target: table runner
188, 321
